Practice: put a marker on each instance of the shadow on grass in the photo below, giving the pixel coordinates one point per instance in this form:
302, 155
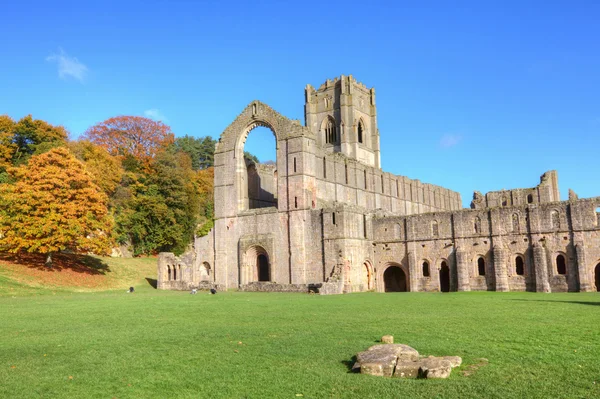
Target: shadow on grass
60, 261
152, 282
541, 300
350, 365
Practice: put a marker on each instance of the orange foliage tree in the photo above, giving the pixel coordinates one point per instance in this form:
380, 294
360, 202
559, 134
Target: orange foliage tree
7, 147
104, 168
52, 206
134, 136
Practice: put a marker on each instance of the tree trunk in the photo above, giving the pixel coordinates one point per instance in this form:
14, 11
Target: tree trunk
49, 260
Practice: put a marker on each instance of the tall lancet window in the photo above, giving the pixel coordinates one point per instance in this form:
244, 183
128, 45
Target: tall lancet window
330, 132
360, 131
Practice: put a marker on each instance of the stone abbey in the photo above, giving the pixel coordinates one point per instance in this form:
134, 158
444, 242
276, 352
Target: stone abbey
326, 218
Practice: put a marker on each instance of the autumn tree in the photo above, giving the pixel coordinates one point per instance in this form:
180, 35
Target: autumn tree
134, 136
53, 205
7, 147
104, 168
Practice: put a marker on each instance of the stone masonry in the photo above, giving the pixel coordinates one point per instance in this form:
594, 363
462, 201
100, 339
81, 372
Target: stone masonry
326, 218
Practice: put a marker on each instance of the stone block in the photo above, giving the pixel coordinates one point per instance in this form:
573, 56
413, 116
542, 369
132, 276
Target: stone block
387, 339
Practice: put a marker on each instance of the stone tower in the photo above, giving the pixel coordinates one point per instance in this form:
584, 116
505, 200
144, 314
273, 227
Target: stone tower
343, 116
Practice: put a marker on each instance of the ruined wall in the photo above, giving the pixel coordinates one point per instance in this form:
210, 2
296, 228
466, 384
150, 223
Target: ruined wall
538, 234
326, 214
262, 185
546, 191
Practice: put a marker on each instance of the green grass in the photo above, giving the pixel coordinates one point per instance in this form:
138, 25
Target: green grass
162, 344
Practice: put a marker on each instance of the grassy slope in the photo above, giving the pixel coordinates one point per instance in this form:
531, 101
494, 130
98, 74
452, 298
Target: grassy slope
72, 273
255, 345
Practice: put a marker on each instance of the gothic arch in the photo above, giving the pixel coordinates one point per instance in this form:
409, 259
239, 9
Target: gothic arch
398, 278
329, 131
256, 265
444, 275
369, 276
362, 134
230, 168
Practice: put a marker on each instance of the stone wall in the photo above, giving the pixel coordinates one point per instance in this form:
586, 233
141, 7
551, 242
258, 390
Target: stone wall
326, 215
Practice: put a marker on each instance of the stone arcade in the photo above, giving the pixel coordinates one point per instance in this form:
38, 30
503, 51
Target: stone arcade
326, 218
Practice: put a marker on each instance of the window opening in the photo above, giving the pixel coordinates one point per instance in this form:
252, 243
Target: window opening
481, 266
425, 269
519, 266
561, 266
360, 132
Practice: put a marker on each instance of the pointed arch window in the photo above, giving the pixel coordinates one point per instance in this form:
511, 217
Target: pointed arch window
435, 228
330, 132
361, 130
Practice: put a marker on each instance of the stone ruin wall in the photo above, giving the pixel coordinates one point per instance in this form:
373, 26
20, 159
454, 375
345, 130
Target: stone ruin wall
341, 222
534, 232
546, 191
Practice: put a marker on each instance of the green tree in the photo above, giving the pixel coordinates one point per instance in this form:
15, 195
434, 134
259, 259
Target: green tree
160, 209
35, 136
200, 150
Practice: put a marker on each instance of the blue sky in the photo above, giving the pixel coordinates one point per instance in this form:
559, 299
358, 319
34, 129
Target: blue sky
479, 95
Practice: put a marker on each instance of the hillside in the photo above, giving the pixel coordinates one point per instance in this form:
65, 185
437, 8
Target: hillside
26, 274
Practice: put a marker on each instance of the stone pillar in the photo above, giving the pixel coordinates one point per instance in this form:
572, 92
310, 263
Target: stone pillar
462, 268
584, 282
540, 262
413, 272
500, 258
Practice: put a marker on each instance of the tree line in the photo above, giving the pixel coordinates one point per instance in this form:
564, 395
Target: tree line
126, 181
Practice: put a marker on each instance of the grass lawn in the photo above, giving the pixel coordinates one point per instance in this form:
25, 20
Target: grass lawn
157, 344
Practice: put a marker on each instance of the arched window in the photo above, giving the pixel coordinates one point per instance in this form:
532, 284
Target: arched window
515, 223
330, 132
555, 219
519, 266
425, 269
360, 131
504, 201
174, 273
477, 225
435, 228
598, 216
530, 198
169, 272
561, 265
481, 266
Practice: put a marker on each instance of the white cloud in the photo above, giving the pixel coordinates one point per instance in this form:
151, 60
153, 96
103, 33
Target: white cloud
450, 140
68, 66
155, 114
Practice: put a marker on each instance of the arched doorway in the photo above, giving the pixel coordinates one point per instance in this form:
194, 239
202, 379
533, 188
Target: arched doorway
597, 277
394, 279
262, 268
444, 278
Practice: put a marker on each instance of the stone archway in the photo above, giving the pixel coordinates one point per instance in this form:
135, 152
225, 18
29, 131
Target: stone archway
257, 265
444, 277
597, 277
395, 279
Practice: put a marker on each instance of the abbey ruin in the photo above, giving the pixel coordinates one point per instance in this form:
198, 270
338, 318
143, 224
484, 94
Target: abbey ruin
326, 218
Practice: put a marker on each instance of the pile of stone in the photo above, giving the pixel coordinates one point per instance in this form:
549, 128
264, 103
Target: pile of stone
402, 361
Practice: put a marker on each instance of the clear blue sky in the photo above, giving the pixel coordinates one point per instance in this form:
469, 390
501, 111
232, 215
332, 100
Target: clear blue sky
479, 95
